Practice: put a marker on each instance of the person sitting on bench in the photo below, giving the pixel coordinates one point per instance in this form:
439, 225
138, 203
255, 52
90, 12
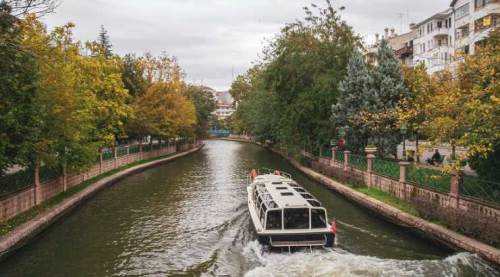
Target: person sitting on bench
436, 159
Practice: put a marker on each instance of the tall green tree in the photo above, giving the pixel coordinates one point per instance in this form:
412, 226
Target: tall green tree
105, 42
387, 91
303, 69
19, 78
204, 104
355, 94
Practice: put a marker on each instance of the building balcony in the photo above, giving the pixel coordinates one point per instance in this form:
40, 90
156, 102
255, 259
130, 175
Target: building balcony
441, 32
404, 52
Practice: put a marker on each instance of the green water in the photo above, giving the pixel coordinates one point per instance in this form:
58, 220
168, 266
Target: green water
189, 217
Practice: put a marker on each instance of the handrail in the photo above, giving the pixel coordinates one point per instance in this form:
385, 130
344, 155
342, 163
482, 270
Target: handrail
265, 170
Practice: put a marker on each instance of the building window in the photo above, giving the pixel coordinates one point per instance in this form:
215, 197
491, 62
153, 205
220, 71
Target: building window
440, 24
462, 11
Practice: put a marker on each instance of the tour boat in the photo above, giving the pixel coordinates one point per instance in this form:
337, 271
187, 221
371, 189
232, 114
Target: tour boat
284, 214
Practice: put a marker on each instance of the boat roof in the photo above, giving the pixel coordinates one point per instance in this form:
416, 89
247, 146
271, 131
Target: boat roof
282, 192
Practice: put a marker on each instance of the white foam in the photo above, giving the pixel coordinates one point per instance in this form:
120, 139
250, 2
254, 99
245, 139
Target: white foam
342, 263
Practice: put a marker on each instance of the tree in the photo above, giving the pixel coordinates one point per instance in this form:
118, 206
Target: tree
355, 93
133, 75
19, 78
37, 7
465, 109
105, 42
411, 111
64, 106
302, 72
388, 90
204, 104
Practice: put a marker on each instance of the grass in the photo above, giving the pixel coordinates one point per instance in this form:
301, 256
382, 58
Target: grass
389, 199
22, 218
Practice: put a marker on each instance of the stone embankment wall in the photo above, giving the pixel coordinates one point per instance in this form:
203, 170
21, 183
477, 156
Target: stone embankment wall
23, 200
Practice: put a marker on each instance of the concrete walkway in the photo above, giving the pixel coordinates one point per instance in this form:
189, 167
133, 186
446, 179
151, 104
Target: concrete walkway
25, 232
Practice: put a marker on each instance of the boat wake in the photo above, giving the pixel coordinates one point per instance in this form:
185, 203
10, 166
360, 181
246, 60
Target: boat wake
337, 262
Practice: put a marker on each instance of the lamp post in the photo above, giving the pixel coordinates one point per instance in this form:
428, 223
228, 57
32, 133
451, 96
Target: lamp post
404, 129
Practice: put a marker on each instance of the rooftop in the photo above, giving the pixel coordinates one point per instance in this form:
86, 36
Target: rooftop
281, 192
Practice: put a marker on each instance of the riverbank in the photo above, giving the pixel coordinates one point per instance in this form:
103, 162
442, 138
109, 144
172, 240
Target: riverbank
393, 214
30, 226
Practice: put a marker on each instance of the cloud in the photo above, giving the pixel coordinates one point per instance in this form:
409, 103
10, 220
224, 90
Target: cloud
215, 40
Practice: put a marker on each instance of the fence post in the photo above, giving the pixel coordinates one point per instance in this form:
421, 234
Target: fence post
64, 178
456, 179
38, 187
403, 168
334, 153
370, 158
115, 156
321, 152
100, 162
347, 153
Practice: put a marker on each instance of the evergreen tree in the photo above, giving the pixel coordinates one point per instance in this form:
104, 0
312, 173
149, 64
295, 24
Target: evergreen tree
355, 92
18, 86
105, 42
388, 90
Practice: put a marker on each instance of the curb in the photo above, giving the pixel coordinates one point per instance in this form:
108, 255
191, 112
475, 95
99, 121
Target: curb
439, 233
23, 234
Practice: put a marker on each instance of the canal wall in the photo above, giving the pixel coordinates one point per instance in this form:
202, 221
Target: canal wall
436, 232
23, 233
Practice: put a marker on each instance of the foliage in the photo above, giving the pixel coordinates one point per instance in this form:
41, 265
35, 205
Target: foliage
355, 93
288, 98
37, 7
204, 105
18, 84
105, 43
387, 91
66, 121
465, 108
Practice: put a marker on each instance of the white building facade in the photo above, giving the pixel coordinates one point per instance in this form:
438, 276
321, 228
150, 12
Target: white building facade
473, 20
444, 37
433, 45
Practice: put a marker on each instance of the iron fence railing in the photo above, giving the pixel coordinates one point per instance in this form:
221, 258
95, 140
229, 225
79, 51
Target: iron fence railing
427, 177
474, 187
134, 149
121, 151
16, 181
339, 156
107, 154
358, 161
387, 168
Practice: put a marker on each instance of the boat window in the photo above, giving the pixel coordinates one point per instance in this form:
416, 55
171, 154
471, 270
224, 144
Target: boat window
286, 194
281, 188
277, 183
314, 203
294, 185
273, 220
307, 196
299, 189
296, 218
263, 214
318, 218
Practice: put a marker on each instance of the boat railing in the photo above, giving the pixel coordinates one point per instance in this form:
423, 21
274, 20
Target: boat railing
265, 170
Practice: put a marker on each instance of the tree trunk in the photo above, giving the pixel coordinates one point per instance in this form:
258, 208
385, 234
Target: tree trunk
417, 150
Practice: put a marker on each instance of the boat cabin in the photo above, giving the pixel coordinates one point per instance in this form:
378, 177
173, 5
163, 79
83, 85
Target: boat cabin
281, 204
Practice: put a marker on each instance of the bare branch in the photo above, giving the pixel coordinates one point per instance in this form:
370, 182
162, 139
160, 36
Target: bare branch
38, 7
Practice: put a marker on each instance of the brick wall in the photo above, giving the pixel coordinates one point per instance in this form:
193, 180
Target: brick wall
23, 200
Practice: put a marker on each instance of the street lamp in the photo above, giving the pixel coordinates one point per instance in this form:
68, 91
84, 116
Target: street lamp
404, 129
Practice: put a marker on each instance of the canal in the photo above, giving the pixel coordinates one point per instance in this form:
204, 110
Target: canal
189, 217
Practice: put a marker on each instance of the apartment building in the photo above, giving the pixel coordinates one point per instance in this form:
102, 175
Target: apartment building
401, 44
433, 45
473, 20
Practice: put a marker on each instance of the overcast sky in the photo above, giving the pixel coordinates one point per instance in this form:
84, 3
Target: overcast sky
215, 40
